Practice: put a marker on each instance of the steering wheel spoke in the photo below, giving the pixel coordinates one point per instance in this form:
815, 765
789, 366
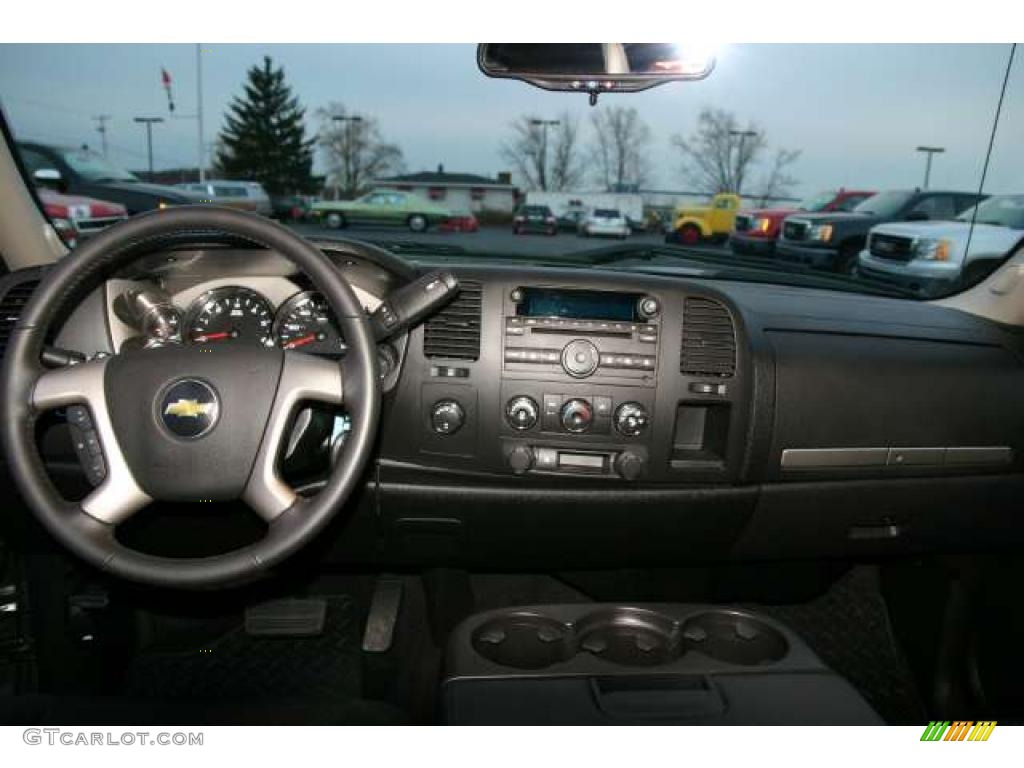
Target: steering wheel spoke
304, 378
118, 496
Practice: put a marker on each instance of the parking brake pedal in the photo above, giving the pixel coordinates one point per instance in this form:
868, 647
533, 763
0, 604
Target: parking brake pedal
380, 624
286, 618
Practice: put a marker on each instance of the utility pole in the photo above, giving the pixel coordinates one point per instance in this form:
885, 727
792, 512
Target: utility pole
743, 135
544, 125
101, 129
199, 110
350, 150
929, 152
148, 122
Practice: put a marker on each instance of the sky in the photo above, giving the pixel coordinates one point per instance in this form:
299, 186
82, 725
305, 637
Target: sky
855, 112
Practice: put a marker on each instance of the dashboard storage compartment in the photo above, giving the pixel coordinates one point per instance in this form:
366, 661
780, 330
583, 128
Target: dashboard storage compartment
666, 663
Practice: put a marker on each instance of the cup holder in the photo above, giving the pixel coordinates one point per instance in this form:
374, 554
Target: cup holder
734, 637
523, 641
632, 637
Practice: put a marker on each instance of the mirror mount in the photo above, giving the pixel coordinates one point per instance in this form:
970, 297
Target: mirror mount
594, 68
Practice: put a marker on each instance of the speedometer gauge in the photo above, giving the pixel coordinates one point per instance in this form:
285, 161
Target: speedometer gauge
228, 314
305, 323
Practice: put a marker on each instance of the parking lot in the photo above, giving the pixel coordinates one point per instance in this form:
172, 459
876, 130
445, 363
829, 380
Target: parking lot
488, 239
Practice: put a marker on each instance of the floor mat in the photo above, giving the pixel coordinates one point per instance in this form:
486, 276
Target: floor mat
237, 666
848, 627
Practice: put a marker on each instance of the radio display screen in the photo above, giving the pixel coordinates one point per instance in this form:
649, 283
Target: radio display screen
577, 305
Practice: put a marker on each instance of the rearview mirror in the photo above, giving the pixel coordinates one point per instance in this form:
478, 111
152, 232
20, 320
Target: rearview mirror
595, 68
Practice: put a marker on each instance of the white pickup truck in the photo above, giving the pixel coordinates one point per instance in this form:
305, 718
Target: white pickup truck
931, 258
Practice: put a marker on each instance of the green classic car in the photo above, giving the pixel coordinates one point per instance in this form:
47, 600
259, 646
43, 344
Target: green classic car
382, 206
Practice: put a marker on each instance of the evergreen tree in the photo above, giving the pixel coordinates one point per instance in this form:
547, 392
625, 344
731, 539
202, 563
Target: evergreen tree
264, 138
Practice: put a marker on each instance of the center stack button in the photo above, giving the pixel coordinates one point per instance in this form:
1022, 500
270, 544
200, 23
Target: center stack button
580, 358
577, 415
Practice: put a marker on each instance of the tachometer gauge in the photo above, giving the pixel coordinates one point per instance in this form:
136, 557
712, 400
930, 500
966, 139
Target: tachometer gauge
305, 322
229, 314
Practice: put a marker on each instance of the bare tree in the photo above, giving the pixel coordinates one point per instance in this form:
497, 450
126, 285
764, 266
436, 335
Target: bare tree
355, 150
777, 182
533, 141
721, 154
621, 139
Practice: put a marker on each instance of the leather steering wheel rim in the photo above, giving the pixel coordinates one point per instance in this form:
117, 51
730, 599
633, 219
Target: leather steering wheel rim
24, 384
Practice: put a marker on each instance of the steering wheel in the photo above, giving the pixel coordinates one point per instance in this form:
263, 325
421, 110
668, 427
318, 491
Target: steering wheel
187, 423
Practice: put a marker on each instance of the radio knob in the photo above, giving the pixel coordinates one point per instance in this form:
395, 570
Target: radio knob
447, 417
629, 465
648, 307
580, 358
630, 419
577, 415
520, 458
522, 412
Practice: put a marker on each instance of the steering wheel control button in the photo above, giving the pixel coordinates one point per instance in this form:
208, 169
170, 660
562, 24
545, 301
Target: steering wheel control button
580, 358
447, 417
86, 443
522, 413
630, 419
577, 415
189, 409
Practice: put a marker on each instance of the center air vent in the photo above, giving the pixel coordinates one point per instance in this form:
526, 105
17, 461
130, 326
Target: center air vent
709, 339
12, 304
454, 332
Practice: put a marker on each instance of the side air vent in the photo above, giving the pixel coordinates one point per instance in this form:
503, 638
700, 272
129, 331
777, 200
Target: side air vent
709, 339
12, 303
454, 332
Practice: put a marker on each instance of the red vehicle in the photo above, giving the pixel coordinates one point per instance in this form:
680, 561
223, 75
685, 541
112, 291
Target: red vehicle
459, 222
75, 217
756, 231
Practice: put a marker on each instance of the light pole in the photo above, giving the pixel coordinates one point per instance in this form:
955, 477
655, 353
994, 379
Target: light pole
742, 135
148, 122
544, 125
101, 128
929, 152
349, 157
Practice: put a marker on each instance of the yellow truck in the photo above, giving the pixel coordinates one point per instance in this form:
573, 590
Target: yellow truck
714, 221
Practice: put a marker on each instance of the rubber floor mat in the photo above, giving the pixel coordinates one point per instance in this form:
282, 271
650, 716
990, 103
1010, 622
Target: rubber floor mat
239, 666
848, 627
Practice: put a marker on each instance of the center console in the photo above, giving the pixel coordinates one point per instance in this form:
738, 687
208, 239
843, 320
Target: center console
578, 380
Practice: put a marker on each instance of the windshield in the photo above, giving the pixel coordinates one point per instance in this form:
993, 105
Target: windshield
911, 132
884, 203
817, 202
93, 166
1006, 211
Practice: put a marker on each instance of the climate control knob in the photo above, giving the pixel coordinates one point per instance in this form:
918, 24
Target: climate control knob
577, 415
630, 419
629, 465
447, 417
520, 459
522, 412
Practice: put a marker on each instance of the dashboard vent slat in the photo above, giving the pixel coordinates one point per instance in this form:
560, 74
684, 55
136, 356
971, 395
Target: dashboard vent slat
454, 332
708, 345
12, 304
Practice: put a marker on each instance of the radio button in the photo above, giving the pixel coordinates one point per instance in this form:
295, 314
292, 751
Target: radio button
580, 358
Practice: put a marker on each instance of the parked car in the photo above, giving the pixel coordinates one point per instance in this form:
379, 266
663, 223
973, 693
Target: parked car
714, 221
931, 257
289, 207
88, 173
834, 240
534, 218
460, 221
382, 206
244, 195
570, 219
76, 218
755, 231
605, 222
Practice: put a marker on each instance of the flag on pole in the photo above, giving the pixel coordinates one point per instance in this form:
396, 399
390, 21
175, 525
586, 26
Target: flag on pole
165, 79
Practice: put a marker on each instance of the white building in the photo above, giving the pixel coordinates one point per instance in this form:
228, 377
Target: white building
458, 191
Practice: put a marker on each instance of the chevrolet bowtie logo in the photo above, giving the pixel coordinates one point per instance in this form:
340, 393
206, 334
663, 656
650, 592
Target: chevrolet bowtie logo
191, 409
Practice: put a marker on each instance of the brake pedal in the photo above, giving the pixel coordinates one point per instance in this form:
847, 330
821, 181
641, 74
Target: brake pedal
286, 618
380, 624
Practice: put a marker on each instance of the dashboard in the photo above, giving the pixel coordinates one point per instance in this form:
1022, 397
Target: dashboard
592, 417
